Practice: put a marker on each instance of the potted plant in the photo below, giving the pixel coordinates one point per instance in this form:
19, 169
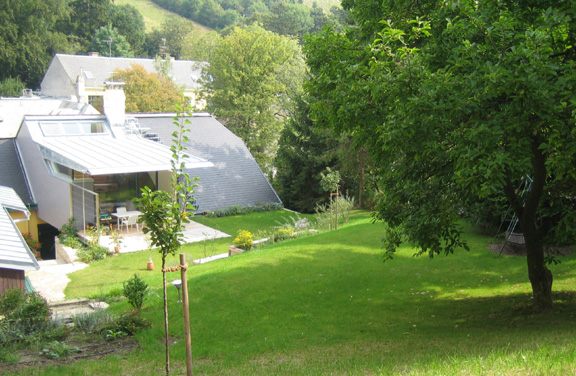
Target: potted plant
33, 244
116, 240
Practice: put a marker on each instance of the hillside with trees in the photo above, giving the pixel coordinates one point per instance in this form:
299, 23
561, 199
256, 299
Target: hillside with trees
282, 17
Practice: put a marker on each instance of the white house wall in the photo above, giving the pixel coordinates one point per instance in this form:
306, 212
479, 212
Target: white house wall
50, 193
56, 81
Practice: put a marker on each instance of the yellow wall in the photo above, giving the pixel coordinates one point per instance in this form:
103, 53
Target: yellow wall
30, 226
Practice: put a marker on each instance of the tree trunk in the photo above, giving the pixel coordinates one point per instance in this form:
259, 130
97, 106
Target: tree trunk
526, 210
540, 276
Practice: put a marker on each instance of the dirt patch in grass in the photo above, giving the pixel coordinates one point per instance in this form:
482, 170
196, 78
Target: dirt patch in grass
515, 249
98, 350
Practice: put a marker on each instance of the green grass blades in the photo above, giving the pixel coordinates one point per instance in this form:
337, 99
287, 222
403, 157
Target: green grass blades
327, 304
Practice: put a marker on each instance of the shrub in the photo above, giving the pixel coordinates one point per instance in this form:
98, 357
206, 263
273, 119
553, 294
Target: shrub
34, 308
12, 87
72, 242
27, 321
91, 254
283, 234
93, 322
238, 210
68, 230
325, 214
11, 300
130, 323
244, 240
135, 290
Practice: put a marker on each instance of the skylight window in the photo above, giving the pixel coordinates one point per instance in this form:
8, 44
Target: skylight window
72, 128
88, 74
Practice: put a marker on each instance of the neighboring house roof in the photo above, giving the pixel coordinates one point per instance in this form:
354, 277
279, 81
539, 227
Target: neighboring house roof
12, 173
109, 151
235, 179
14, 252
60, 78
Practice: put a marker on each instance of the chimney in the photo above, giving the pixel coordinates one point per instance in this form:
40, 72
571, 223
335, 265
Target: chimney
93, 54
81, 88
115, 103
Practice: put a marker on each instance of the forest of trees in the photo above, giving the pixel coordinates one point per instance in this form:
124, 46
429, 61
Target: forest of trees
282, 17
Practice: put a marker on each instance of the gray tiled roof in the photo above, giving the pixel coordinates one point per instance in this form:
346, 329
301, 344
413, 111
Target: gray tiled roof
100, 68
14, 253
12, 174
235, 179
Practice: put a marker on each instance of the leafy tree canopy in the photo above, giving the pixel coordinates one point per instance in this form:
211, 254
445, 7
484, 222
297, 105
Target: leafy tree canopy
108, 42
28, 37
129, 23
458, 101
148, 92
247, 85
11, 87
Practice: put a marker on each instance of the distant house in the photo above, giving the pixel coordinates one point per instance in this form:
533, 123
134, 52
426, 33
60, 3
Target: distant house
15, 256
65, 71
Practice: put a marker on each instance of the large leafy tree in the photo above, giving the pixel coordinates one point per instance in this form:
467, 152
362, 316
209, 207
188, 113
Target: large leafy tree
28, 37
129, 23
247, 86
107, 41
148, 92
304, 152
87, 16
458, 101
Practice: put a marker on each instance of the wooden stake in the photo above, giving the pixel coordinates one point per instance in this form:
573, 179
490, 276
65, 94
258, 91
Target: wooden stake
186, 309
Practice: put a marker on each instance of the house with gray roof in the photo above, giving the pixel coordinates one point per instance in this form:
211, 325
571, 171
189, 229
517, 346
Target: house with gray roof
71, 161
65, 71
82, 165
15, 256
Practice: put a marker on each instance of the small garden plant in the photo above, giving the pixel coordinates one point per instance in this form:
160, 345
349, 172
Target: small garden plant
58, 350
135, 290
244, 240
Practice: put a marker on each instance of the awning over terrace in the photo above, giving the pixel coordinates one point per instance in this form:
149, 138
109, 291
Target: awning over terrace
107, 155
14, 252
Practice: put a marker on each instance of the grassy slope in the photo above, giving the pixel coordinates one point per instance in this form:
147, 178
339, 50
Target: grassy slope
326, 304
155, 16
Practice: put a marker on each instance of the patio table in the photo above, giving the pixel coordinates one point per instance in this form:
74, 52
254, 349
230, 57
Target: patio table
125, 215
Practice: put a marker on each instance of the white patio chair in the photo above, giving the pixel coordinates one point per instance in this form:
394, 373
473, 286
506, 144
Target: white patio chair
130, 221
121, 210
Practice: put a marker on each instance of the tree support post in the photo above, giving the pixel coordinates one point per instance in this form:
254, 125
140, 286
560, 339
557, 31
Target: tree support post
186, 309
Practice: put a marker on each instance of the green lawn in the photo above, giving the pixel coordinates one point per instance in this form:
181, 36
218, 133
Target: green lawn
155, 16
326, 304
